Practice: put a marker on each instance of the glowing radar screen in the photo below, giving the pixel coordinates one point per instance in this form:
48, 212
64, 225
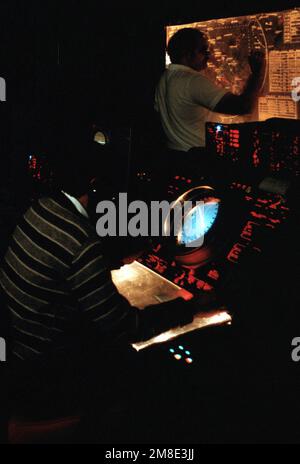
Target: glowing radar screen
199, 209
199, 221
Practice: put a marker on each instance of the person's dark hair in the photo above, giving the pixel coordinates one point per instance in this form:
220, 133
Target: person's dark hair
183, 42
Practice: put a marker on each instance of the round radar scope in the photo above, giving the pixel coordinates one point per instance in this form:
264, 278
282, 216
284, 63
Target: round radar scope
198, 221
198, 234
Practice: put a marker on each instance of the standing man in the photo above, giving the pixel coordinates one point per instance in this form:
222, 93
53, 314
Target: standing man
184, 96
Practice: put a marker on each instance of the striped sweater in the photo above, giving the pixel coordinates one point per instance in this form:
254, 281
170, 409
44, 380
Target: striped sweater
56, 282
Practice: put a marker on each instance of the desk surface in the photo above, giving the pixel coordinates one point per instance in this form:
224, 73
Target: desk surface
143, 287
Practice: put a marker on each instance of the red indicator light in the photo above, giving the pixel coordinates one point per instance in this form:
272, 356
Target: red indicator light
274, 205
235, 252
200, 284
258, 216
207, 287
214, 274
275, 221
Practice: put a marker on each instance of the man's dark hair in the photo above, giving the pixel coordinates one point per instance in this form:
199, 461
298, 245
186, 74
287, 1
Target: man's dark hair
183, 42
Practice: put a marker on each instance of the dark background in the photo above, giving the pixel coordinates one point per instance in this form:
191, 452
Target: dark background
100, 60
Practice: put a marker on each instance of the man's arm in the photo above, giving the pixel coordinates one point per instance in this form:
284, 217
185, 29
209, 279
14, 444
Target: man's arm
104, 312
243, 103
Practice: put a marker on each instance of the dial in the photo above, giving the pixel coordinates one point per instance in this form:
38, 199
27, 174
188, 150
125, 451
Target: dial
199, 221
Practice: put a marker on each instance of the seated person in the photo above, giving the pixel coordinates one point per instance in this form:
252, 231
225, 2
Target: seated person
66, 313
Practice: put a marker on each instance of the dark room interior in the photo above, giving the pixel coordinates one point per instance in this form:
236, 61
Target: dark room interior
228, 375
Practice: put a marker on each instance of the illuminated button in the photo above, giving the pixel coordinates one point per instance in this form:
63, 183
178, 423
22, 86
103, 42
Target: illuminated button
177, 356
188, 352
189, 360
180, 347
172, 350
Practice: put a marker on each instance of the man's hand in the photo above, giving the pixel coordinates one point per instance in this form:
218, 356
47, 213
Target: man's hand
257, 62
204, 302
244, 103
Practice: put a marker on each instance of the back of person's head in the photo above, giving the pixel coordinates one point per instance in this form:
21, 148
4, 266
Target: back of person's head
184, 42
76, 158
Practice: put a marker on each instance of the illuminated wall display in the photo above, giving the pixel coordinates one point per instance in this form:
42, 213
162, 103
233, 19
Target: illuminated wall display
232, 39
